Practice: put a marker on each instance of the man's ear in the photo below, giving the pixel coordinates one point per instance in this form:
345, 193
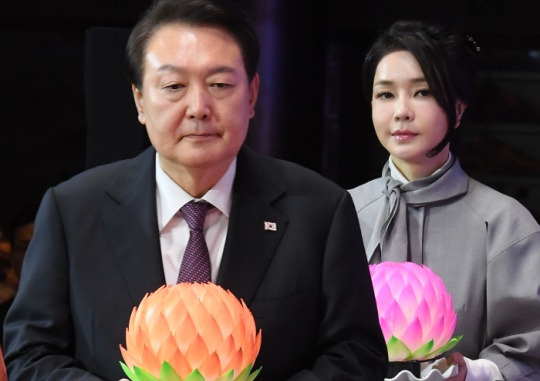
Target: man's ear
460, 109
253, 92
138, 98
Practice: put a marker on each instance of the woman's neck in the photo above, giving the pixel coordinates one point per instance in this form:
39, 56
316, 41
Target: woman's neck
415, 171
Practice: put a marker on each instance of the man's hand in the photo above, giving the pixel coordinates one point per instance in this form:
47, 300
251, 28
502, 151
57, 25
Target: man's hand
457, 359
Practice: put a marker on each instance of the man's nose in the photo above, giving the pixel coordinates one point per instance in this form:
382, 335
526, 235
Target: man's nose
198, 103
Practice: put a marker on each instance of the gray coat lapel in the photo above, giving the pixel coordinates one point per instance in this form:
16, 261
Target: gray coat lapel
250, 247
131, 226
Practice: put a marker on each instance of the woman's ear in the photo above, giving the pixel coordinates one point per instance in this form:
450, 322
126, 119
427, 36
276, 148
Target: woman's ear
460, 109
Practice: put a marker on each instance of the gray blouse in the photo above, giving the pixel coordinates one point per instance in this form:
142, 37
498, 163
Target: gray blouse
484, 245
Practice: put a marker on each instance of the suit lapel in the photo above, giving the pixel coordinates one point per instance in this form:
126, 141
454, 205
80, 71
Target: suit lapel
131, 226
250, 245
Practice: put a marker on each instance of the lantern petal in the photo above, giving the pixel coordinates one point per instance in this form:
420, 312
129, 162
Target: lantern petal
385, 298
398, 351
128, 358
449, 345
254, 374
211, 334
412, 337
149, 361
245, 374
423, 352
128, 371
167, 350
386, 329
226, 351
437, 331
168, 373
256, 347
195, 376
211, 367
396, 282
180, 364
142, 375
423, 314
158, 332
197, 352
396, 319
235, 362
227, 376
408, 302
185, 333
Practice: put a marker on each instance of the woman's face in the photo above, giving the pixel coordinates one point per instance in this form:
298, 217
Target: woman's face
408, 120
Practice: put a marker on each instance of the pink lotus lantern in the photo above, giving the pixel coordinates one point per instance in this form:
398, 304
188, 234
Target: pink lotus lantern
415, 311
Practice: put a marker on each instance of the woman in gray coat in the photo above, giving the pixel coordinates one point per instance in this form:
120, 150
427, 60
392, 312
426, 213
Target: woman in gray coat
425, 209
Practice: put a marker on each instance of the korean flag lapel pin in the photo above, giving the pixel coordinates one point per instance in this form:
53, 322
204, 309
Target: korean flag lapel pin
272, 226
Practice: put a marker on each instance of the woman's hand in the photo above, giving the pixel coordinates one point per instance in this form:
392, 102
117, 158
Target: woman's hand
457, 359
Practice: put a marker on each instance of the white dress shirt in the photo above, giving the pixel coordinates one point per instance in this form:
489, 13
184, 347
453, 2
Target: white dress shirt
173, 228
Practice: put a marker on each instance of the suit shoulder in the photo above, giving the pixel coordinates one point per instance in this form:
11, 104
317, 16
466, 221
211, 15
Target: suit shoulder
295, 175
93, 178
98, 177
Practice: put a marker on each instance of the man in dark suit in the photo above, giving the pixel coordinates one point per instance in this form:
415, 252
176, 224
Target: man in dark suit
279, 236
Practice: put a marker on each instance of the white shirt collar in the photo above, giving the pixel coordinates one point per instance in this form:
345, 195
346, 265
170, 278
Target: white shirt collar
170, 197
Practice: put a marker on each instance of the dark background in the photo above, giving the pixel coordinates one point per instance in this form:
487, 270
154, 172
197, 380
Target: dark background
54, 76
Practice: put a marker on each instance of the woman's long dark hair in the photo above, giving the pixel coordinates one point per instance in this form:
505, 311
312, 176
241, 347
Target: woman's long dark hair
447, 59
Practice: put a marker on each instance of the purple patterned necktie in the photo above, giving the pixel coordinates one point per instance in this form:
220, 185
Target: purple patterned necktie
196, 263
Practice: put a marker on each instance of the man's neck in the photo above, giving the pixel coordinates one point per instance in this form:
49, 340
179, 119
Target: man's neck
194, 180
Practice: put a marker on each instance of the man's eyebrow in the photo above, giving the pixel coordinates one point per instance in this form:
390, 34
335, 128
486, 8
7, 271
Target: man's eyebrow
169, 67
222, 69
215, 70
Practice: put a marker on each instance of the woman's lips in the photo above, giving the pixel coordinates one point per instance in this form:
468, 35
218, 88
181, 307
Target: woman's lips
402, 135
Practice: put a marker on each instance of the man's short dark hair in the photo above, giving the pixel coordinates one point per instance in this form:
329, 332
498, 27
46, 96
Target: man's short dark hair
223, 14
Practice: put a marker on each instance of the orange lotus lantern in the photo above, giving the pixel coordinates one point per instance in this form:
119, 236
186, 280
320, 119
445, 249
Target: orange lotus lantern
3, 372
191, 332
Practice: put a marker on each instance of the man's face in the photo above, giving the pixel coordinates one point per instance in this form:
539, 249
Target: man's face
196, 100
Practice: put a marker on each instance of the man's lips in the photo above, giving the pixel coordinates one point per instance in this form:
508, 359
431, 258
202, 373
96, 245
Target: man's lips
200, 135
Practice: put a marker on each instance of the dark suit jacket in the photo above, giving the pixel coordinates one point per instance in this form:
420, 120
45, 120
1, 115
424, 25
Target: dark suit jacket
96, 253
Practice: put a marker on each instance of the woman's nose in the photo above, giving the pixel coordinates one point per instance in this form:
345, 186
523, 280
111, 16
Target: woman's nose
403, 110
